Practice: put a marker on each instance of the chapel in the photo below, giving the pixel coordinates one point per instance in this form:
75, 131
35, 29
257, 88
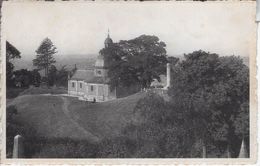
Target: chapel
93, 84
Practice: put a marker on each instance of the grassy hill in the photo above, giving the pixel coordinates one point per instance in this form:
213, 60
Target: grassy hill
66, 117
108, 118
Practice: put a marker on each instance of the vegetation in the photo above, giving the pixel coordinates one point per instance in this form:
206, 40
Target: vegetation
20, 80
136, 61
24, 78
105, 120
207, 114
212, 93
59, 77
44, 58
11, 54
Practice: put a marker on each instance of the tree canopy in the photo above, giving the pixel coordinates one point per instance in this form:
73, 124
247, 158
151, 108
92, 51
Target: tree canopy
135, 61
44, 55
212, 91
11, 54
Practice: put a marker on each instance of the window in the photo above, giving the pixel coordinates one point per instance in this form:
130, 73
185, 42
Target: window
92, 88
73, 84
80, 85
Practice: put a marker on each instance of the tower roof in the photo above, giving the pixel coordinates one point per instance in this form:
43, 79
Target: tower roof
108, 40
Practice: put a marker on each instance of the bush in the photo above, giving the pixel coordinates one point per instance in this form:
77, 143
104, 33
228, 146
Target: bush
61, 148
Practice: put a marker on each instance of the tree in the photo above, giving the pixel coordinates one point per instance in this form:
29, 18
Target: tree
52, 77
22, 78
210, 90
36, 78
11, 54
62, 76
173, 60
44, 56
136, 61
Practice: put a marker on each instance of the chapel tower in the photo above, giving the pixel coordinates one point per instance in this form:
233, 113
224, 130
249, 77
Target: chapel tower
101, 62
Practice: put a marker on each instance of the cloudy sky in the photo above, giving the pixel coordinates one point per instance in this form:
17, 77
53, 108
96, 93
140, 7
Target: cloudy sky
80, 28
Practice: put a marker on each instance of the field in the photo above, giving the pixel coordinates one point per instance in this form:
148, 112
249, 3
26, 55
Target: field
66, 117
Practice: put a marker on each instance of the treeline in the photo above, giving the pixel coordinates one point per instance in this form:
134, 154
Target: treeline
207, 114
44, 61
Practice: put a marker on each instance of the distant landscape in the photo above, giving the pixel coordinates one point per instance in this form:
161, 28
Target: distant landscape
69, 60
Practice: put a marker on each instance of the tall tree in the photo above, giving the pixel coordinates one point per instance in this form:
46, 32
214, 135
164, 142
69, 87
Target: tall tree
11, 54
139, 60
44, 55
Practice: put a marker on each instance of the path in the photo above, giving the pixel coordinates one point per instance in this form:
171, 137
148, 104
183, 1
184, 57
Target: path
66, 111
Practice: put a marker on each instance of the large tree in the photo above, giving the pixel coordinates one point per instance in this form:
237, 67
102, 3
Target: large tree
136, 61
211, 91
44, 55
11, 54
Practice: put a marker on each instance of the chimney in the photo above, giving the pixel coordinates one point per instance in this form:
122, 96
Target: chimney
168, 75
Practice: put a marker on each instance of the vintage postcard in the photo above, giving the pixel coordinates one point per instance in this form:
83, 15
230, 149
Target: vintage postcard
128, 82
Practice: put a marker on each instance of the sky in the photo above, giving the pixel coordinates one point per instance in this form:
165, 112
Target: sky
79, 29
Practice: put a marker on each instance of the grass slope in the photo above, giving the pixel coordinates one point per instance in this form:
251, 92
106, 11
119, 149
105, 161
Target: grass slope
49, 116
105, 119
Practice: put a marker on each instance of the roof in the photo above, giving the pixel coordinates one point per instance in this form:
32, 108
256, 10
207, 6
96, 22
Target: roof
108, 40
89, 77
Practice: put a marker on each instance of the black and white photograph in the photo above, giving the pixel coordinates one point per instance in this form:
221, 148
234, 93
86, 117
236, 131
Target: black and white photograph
129, 80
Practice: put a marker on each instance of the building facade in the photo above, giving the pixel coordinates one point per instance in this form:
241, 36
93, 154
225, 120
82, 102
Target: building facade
93, 84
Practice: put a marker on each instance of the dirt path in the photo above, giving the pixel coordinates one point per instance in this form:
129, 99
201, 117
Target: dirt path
67, 112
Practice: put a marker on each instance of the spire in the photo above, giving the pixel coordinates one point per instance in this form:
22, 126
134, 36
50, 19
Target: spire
108, 40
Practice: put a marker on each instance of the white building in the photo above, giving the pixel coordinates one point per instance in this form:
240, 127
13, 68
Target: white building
93, 84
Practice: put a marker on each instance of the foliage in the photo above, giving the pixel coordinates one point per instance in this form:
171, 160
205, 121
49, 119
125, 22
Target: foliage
44, 147
36, 78
159, 131
9, 74
44, 55
11, 54
119, 147
138, 60
62, 76
209, 90
173, 60
52, 75
24, 78
58, 77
